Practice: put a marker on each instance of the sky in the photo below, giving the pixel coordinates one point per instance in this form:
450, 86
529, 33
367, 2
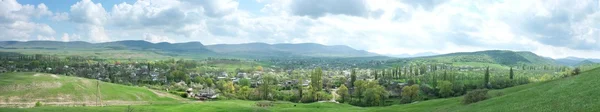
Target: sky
551, 28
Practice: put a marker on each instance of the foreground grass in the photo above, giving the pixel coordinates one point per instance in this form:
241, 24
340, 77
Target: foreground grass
573, 94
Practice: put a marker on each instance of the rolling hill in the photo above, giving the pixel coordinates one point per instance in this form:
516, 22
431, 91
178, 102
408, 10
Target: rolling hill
575, 61
25, 89
502, 57
288, 50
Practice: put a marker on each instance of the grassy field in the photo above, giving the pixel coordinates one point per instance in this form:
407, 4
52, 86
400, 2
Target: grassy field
572, 94
25, 89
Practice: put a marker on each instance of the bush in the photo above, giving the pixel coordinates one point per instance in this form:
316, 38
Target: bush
323, 96
38, 104
182, 94
476, 96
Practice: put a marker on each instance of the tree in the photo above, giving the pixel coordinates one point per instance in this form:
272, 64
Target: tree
259, 68
179, 75
229, 87
343, 93
209, 82
353, 78
374, 95
359, 88
299, 87
576, 71
486, 80
375, 74
410, 93
316, 82
244, 82
265, 89
445, 89
244, 92
511, 73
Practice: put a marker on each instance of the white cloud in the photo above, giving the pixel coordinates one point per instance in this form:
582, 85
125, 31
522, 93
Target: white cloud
91, 18
88, 12
60, 16
157, 38
67, 38
41, 37
97, 34
15, 21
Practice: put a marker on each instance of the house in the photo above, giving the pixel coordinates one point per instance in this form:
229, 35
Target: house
242, 75
223, 75
206, 93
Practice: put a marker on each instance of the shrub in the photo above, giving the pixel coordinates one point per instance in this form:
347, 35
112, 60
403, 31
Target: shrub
476, 96
576, 71
445, 89
38, 104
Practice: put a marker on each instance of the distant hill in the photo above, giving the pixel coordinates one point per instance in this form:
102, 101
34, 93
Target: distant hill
502, 57
574, 61
423, 54
195, 47
585, 63
288, 50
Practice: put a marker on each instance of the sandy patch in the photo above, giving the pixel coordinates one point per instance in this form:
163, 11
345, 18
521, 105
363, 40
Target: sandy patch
54, 76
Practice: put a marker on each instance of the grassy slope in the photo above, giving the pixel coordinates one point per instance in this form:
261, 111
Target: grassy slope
576, 93
32, 87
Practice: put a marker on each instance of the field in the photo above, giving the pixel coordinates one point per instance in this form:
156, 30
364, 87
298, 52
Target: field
577, 93
25, 89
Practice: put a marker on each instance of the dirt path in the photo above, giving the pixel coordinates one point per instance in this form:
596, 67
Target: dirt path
163, 94
335, 95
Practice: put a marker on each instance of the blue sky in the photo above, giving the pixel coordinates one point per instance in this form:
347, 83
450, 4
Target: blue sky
552, 28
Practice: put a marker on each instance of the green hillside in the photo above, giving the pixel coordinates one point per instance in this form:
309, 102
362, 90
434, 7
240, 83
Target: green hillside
25, 89
572, 94
502, 57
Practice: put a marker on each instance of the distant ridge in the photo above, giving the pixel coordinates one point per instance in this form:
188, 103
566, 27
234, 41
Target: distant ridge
503, 57
300, 49
247, 50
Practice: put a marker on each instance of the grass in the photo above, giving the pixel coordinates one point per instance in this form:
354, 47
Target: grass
572, 94
25, 88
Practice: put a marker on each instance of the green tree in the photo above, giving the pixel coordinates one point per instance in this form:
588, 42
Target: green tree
359, 88
410, 93
316, 82
209, 82
244, 92
343, 93
244, 82
353, 78
374, 95
486, 80
265, 89
445, 89
511, 73
576, 71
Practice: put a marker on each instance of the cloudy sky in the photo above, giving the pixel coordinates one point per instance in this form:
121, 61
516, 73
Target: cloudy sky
552, 28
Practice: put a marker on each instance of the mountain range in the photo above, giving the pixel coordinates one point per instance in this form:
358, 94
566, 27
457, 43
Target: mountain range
575, 61
252, 50
264, 50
